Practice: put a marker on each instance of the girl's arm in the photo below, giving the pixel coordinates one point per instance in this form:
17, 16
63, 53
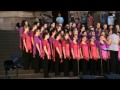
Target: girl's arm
72, 53
98, 53
81, 53
45, 49
64, 53
25, 45
32, 41
90, 53
58, 52
38, 48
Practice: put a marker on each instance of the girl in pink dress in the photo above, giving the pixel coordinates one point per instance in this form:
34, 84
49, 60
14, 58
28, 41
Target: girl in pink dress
84, 50
103, 54
94, 55
119, 52
51, 41
119, 58
75, 54
38, 51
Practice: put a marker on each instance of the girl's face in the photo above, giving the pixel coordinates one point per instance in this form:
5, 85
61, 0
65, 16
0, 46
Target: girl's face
85, 33
93, 33
54, 32
35, 27
59, 28
105, 26
26, 23
74, 25
42, 29
76, 32
84, 39
83, 29
53, 25
92, 39
45, 26
75, 37
92, 29
117, 27
38, 24
38, 32
98, 25
62, 32
103, 33
59, 36
110, 27
102, 38
67, 36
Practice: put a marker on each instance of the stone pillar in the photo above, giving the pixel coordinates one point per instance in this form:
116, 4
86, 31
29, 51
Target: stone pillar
8, 19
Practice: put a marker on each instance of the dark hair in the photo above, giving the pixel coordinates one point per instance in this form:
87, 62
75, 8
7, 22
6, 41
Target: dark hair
23, 23
58, 33
44, 23
65, 34
67, 41
44, 34
83, 32
91, 38
83, 36
34, 25
91, 32
18, 25
114, 31
53, 30
73, 36
36, 22
59, 26
36, 30
100, 36
105, 24
52, 23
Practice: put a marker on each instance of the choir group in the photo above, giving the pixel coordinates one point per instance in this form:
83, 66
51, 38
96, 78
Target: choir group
59, 49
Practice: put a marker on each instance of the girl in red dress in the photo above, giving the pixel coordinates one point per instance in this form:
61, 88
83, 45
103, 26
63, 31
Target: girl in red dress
66, 53
75, 54
47, 54
84, 51
57, 53
27, 48
32, 40
94, 55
